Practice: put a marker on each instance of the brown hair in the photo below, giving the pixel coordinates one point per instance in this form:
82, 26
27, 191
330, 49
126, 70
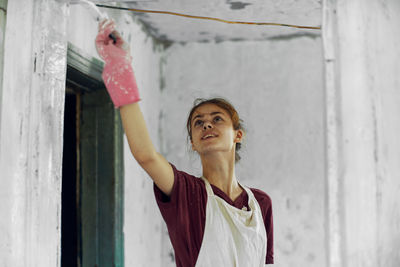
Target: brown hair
237, 123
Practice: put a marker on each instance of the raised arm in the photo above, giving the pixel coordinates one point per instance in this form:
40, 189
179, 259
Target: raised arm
121, 85
143, 150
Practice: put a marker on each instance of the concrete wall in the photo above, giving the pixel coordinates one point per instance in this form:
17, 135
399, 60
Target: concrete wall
362, 66
277, 87
142, 220
32, 109
335, 199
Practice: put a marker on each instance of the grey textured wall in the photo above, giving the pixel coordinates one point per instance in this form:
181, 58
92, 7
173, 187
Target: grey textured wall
277, 87
363, 147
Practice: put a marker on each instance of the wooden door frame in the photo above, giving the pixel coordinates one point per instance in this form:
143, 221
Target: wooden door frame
84, 74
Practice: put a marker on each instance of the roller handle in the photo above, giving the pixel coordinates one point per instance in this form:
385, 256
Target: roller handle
112, 36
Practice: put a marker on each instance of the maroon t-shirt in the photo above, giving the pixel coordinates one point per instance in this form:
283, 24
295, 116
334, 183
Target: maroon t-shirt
185, 215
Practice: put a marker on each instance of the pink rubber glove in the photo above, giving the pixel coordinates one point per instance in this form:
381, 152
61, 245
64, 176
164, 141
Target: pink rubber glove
117, 73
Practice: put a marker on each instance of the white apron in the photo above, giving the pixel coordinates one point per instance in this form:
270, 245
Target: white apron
232, 237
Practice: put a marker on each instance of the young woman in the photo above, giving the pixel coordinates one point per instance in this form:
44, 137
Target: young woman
212, 220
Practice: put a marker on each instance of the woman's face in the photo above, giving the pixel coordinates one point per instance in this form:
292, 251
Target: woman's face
212, 130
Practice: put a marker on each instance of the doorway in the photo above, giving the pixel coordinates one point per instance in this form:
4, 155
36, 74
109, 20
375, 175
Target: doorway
69, 233
92, 182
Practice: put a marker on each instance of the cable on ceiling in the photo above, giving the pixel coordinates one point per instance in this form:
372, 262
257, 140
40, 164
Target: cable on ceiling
211, 18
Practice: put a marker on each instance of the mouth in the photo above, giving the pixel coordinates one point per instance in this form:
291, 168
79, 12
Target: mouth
209, 136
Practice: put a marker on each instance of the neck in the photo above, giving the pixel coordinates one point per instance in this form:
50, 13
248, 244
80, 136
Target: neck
219, 170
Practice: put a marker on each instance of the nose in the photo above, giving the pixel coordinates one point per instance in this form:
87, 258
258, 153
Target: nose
207, 125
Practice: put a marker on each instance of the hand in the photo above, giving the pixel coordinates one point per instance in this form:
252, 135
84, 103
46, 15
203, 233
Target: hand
117, 73
109, 49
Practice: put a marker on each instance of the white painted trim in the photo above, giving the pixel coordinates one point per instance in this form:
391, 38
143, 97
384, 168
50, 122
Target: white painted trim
332, 137
31, 133
3, 20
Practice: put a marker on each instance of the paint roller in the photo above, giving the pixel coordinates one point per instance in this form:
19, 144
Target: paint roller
93, 10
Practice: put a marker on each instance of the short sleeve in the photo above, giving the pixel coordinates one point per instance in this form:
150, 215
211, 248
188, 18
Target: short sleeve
266, 209
184, 214
170, 205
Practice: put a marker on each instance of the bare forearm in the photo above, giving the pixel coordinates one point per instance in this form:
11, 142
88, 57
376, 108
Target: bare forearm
136, 132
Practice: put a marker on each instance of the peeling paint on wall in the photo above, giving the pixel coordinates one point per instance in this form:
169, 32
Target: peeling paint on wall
277, 90
178, 29
292, 36
31, 131
237, 5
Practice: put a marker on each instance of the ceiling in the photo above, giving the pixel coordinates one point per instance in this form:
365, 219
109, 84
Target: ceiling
179, 29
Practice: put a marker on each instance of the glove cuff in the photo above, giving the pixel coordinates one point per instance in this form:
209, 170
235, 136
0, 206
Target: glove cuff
120, 82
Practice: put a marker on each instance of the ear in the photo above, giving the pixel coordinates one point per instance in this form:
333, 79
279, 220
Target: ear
239, 136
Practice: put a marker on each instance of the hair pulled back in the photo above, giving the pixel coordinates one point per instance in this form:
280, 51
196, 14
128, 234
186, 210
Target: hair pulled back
237, 123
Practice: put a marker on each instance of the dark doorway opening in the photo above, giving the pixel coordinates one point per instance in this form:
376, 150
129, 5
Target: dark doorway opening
69, 233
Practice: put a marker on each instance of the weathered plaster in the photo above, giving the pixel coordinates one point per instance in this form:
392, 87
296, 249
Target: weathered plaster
276, 87
179, 29
333, 161
31, 133
361, 43
3, 17
237, 5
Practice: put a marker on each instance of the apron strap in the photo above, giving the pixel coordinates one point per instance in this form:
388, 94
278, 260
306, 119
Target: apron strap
210, 192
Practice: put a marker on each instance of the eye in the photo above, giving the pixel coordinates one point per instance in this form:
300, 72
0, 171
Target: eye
198, 122
217, 118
